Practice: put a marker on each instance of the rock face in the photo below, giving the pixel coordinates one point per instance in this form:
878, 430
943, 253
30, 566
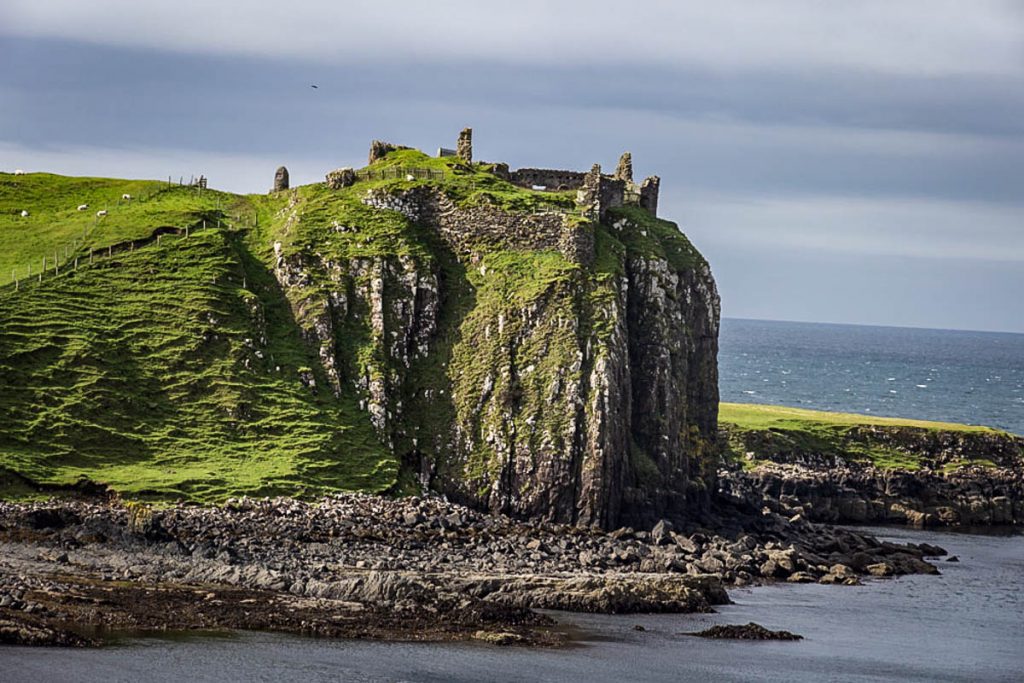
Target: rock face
534, 364
945, 491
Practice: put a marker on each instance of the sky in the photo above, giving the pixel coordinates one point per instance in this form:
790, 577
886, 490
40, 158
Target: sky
855, 162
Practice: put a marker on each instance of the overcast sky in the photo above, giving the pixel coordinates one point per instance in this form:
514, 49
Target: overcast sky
855, 162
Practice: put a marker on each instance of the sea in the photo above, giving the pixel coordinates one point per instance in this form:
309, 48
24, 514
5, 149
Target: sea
945, 375
967, 624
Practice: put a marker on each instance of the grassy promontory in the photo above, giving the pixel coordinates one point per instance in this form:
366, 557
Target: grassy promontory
164, 341
755, 433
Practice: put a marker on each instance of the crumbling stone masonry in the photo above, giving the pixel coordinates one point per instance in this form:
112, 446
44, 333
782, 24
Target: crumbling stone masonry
599, 193
342, 177
552, 179
464, 147
467, 229
379, 149
649, 194
624, 171
281, 179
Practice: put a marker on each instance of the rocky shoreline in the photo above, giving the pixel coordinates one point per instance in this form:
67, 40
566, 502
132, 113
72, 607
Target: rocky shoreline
961, 479
358, 566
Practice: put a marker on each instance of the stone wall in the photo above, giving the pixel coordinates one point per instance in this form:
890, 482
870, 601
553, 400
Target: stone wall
553, 179
649, 194
599, 193
379, 149
464, 146
470, 229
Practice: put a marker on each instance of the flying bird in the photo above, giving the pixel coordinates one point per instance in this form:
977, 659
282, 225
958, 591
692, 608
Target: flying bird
317, 87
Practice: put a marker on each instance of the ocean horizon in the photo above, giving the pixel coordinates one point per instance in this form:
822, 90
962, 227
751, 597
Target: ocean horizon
967, 376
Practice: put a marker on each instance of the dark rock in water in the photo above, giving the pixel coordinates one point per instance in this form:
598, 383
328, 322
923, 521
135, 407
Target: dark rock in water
932, 550
953, 558
749, 631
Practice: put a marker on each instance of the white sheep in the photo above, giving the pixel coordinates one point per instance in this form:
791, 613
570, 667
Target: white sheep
101, 213
18, 171
83, 207
24, 214
126, 197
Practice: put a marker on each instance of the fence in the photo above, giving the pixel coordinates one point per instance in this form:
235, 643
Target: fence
67, 256
400, 172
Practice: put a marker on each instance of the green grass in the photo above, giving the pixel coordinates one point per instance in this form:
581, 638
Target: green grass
756, 416
143, 372
770, 432
173, 370
55, 227
653, 237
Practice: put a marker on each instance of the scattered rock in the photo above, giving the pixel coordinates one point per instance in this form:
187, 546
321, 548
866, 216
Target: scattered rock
749, 631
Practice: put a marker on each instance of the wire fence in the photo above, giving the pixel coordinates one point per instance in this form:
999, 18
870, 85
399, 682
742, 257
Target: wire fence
71, 254
68, 257
400, 172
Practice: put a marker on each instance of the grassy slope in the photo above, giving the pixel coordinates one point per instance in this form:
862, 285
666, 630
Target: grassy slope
815, 431
54, 223
143, 375
141, 371
755, 416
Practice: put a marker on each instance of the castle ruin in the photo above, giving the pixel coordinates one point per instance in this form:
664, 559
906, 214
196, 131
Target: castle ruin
596, 192
280, 179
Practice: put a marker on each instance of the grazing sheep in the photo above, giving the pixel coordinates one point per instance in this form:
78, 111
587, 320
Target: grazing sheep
83, 207
101, 213
126, 197
24, 214
18, 171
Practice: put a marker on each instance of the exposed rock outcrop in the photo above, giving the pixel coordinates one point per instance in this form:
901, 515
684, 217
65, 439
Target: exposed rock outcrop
589, 396
965, 478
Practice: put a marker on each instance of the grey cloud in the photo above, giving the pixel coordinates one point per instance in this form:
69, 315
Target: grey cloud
911, 36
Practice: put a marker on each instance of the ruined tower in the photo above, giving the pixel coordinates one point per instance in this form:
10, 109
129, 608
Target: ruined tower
649, 194
281, 179
624, 171
464, 147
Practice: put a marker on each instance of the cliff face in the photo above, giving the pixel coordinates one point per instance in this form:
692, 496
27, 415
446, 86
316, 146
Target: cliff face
519, 360
880, 474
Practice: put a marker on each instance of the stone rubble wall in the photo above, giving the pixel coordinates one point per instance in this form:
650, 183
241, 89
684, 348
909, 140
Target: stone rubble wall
466, 229
553, 179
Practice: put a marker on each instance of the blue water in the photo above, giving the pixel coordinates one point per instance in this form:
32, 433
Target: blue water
946, 375
962, 626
